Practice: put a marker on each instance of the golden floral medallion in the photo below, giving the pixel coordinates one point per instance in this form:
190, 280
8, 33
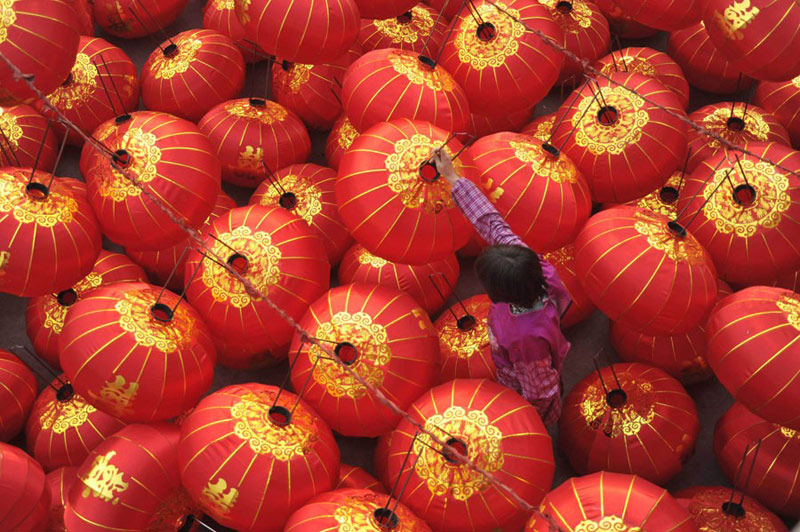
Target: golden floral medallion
267, 114
791, 307
357, 514
637, 412
11, 129
407, 32
790, 433
628, 63
8, 16
135, 318
494, 52
755, 127
368, 259
706, 510
55, 313
574, 21
655, 203
405, 180
56, 208
219, 496
166, 66
654, 227
558, 169
735, 18
609, 523
309, 196
104, 480
144, 158
294, 78
224, 5
796, 82
544, 129
561, 256
64, 415
600, 138
409, 65
466, 344
117, 394
80, 87
347, 134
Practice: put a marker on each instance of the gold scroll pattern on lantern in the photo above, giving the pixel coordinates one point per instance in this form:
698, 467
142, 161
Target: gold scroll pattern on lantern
654, 203
104, 480
297, 76
357, 514
144, 158
614, 138
309, 196
220, 496
654, 227
79, 87
64, 415
755, 127
576, 20
400, 32
11, 130
408, 64
629, 63
347, 134
8, 15
466, 344
637, 412
735, 18
46, 212
493, 53
167, 66
368, 259
706, 511
559, 169
267, 114
405, 180
135, 318
791, 307
609, 523
55, 313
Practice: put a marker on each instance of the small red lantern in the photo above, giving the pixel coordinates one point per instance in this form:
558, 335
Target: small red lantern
464, 341
611, 502
24, 133
172, 160
281, 256
353, 477
472, 416
581, 307
645, 271
17, 393
393, 199
308, 190
131, 19
50, 238
774, 474
483, 125
137, 353
251, 133
24, 496
239, 432
301, 31
192, 72
667, 15
782, 99
621, 22
383, 8
339, 141
59, 482
220, 15
538, 190
360, 266
44, 315
418, 30
717, 508
626, 146
541, 128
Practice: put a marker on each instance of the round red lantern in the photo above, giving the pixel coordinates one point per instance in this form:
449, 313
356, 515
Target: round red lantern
131, 19
782, 99
24, 133
308, 190
44, 315
281, 256
220, 15
389, 84
172, 160
483, 125
464, 340
494, 60
538, 190
419, 30
774, 478
17, 392
750, 214
384, 337
629, 418
59, 482
383, 9
393, 199
239, 432
611, 502
626, 146
353, 477
719, 508
339, 140
101, 72
621, 22
581, 306
354, 509
667, 15
360, 266
24, 496
249, 134
50, 238
136, 353
192, 72
541, 128
302, 31
645, 271
472, 416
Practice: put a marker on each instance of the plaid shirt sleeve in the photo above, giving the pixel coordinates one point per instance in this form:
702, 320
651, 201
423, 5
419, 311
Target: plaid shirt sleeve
482, 215
541, 387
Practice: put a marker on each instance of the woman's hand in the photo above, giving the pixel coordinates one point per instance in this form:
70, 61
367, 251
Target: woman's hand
444, 164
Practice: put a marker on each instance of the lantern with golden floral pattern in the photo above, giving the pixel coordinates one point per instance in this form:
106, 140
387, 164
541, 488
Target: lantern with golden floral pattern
59, 482
418, 30
667, 15
339, 140
541, 127
131, 19
220, 15
17, 393
24, 495
464, 340
782, 100
581, 307
664, 199
722, 508
23, 132
353, 477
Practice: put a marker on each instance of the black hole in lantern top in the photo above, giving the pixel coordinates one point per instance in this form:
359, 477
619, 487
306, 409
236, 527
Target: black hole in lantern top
405, 18
427, 61
171, 50
184, 523
616, 398
37, 191
456, 444
549, 148
735, 124
122, 159
608, 115
385, 518
65, 393
239, 263
161, 312
288, 200
279, 416
67, 297
347, 353
428, 172
668, 194
466, 323
564, 7
486, 31
286, 65
744, 195
734, 509
258, 102
676, 229
68, 81
121, 119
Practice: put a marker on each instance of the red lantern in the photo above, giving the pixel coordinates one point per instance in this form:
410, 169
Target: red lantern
220, 15
626, 146
642, 270
131, 19
360, 266
240, 432
717, 508
472, 416
101, 72
758, 36
308, 190
339, 140
131, 482
774, 478
539, 191
611, 502
667, 15
44, 315
621, 22
301, 31
192, 72
24, 132
136, 353
17, 392
389, 84
483, 125
353, 477
385, 338
24, 496
394, 201
501, 65
383, 8
354, 509
59, 482
704, 66
418, 30
251, 133
783, 101
645, 424
541, 128
50, 238
464, 341
750, 216
280, 255
172, 160
581, 307
42, 47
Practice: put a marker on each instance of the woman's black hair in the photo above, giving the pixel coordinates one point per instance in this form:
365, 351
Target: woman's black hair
511, 274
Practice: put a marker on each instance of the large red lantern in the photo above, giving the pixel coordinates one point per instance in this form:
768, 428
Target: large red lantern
339, 141
394, 201
383, 9
240, 432
464, 346
281, 256
384, 337
611, 502
500, 64
24, 495
782, 99
59, 482
418, 30
172, 160
353, 477
308, 190
472, 416
629, 418
17, 393
622, 23
667, 15
220, 15
581, 306
389, 84
774, 474
249, 134
429, 284
748, 212
131, 19
190, 73
725, 509
538, 190
24, 133
302, 31
44, 315
753, 349
50, 238
643, 270
626, 146
137, 353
